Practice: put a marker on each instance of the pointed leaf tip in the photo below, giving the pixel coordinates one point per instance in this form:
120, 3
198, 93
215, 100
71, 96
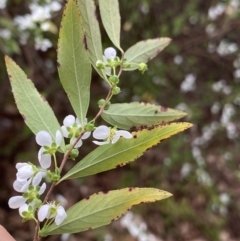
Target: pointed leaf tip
34, 109
103, 208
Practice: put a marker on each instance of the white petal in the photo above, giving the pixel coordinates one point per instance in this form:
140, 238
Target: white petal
85, 121
61, 215
26, 185
124, 134
86, 135
21, 164
42, 189
79, 143
64, 131
18, 184
43, 138
45, 161
100, 143
115, 138
78, 122
16, 202
25, 172
37, 179
69, 120
58, 137
110, 53
108, 71
43, 212
101, 132
23, 208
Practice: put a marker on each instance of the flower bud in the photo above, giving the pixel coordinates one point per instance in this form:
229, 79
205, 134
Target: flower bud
107, 105
116, 90
90, 126
142, 67
100, 64
101, 103
74, 153
113, 79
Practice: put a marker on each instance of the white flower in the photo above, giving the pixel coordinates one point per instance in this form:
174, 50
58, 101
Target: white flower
42, 44
23, 208
109, 53
25, 171
44, 139
3, 4
16, 202
109, 135
24, 22
50, 211
71, 129
26, 175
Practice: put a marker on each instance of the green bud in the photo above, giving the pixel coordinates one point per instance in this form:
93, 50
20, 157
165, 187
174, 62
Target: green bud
107, 105
38, 203
74, 153
101, 103
117, 61
116, 90
90, 126
100, 64
126, 65
113, 79
142, 67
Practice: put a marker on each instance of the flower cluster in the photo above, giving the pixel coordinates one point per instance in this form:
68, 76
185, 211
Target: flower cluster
38, 18
28, 179
29, 176
110, 61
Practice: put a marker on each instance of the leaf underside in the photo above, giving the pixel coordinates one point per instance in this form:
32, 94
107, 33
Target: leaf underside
144, 51
109, 10
36, 112
128, 115
93, 35
103, 208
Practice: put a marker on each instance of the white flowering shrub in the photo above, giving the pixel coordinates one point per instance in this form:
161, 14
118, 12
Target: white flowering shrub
132, 128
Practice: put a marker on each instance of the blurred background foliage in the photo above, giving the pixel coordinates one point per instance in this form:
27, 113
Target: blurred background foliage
199, 72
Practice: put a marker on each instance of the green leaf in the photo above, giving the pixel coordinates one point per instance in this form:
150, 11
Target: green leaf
135, 114
109, 10
103, 208
144, 51
73, 60
93, 35
110, 156
35, 110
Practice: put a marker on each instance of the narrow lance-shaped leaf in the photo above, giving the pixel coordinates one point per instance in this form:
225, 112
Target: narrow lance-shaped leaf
36, 112
144, 51
102, 208
93, 35
73, 60
111, 156
135, 114
109, 10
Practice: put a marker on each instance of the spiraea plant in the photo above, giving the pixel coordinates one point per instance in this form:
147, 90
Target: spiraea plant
80, 49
